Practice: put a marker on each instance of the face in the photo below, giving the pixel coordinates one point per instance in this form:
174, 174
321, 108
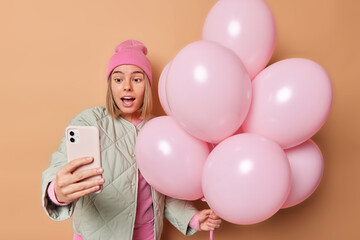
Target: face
128, 87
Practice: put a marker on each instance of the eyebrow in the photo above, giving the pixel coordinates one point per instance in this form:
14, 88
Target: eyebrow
135, 72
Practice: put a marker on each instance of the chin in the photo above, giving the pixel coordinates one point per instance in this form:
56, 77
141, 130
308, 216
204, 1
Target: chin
129, 111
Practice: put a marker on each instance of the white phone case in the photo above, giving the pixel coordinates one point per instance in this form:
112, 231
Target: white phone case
84, 141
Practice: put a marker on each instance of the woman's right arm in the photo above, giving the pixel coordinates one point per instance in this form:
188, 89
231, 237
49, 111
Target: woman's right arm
68, 184
67, 187
57, 161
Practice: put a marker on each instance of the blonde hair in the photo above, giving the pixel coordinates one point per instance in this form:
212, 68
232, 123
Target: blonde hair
145, 109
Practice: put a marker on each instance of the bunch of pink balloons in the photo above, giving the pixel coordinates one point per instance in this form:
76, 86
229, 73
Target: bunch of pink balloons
237, 133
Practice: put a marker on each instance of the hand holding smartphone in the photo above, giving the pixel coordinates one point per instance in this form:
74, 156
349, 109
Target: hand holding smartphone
84, 141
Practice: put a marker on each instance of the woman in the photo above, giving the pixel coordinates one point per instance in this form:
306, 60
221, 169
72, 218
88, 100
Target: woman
127, 207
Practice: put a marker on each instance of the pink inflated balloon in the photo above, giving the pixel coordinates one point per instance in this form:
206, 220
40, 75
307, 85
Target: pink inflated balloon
209, 91
307, 167
246, 179
245, 26
291, 101
162, 89
170, 159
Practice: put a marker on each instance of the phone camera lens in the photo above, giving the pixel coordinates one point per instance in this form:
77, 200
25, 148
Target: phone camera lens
72, 139
72, 133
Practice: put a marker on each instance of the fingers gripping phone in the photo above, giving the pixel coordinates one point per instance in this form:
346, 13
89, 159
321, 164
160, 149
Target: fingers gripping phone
84, 141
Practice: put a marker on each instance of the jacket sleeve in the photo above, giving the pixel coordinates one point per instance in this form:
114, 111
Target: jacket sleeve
57, 161
179, 213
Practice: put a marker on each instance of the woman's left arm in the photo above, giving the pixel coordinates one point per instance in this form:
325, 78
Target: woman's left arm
180, 213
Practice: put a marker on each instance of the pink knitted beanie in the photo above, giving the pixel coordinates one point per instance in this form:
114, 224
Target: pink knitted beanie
131, 52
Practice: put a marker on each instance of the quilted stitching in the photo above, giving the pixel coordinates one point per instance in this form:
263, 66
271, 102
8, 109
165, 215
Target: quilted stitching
124, 172
102, 215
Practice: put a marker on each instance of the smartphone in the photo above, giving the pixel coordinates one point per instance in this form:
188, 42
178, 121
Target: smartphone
84, 141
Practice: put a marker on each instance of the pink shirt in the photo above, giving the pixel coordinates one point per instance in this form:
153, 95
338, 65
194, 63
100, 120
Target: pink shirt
144, 220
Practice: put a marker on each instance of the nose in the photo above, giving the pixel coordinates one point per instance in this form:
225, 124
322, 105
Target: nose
127, 85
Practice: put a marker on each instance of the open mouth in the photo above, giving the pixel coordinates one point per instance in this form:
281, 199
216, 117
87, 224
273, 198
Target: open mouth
128, 101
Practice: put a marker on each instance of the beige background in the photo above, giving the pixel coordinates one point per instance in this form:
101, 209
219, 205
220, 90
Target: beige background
53, 61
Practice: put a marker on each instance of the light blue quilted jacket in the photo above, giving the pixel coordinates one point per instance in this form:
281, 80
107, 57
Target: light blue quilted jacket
111, 214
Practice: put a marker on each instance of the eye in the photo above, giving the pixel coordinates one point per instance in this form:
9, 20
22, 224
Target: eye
117, 80
137, 80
